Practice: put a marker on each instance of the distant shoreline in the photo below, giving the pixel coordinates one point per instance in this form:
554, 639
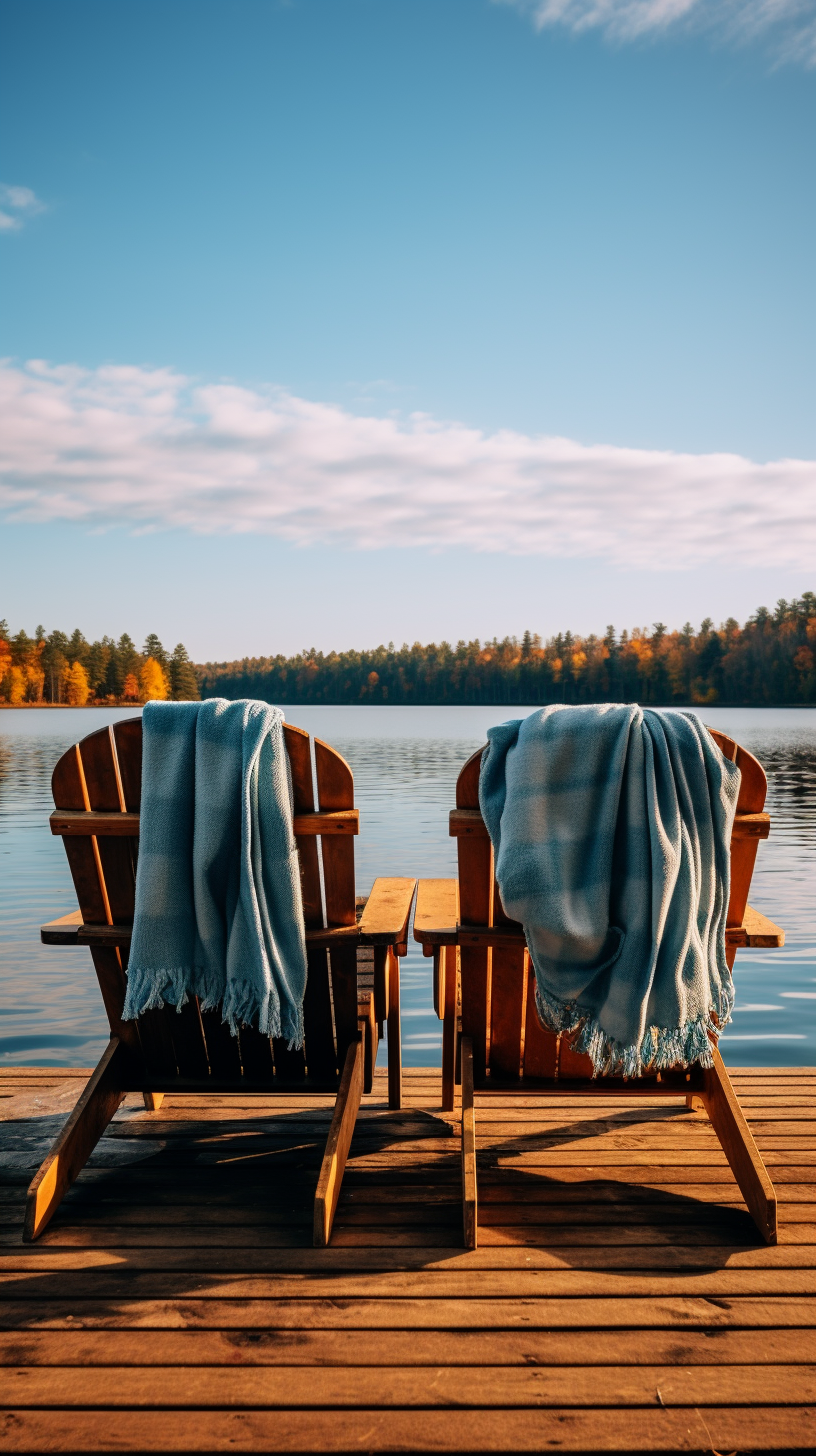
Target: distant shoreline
66, 707
137, 707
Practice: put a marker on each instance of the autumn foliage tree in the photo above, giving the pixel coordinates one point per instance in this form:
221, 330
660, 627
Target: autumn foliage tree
21, 671
154, 684
769, 660
58, 668
77, 687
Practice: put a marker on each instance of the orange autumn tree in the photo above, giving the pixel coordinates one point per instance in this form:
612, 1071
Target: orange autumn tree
15, 685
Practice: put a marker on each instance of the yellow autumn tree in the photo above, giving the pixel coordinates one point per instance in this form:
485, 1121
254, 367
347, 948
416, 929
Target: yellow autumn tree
153, 681
35, 682
77, 687
16, 685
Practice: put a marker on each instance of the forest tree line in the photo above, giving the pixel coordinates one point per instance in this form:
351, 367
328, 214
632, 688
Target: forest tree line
56, 668
770, 660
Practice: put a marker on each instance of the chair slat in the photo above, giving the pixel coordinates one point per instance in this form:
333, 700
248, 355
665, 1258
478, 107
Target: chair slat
343, 962
127, 736
321, 1053
507, 1005
570, 1062
187, 1035
335, 790
475, 858
753, 788
317, 1002
157, 1042
105, 793
508, 987
223, 1049
540, 1045
290, 1063
300, 761
256, 1055
70, 792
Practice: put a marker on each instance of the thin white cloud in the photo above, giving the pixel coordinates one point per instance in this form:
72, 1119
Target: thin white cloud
17, 205
149, 448
787, 26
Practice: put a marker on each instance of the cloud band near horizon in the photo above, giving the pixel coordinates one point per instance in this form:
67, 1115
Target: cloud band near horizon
150, 449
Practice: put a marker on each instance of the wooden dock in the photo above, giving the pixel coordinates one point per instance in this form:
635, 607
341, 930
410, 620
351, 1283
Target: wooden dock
619, 1299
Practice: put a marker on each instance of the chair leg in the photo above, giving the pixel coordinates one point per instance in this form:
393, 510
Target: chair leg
449, 1064
367, 1023
394, 1032
153, 1100
449, 1030
727, 1119
469, 1194
338, 1143
102, 1096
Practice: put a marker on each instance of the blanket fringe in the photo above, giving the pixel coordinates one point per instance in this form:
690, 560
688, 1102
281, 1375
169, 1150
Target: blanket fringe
659, 1049
240, 1005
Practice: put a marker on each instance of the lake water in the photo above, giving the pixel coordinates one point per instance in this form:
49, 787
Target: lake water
405, 763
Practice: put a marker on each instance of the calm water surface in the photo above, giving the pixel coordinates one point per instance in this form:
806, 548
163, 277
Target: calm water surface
405, 763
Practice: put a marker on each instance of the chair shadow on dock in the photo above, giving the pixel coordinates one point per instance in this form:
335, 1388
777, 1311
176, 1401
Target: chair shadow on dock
201, 1188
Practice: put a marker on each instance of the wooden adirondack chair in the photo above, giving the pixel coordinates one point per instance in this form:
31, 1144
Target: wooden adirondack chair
97, 792
492, 1039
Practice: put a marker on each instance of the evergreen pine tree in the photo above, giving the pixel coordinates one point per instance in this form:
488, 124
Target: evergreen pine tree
78, 648
54, 662
153, 648
97, 666
183, 680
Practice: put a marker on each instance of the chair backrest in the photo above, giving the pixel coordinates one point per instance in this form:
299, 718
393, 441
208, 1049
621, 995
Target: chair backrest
498, 988
104, 773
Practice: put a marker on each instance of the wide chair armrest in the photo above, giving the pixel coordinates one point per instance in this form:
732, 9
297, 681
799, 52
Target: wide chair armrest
64, 931
384, 920
436, 923
436, 918
756, 930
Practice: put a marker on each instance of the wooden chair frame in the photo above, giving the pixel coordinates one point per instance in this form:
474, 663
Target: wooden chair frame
97, 793
492, 1039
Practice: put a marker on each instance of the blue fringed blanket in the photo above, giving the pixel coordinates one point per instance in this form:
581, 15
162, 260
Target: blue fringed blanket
218, 904
611, 828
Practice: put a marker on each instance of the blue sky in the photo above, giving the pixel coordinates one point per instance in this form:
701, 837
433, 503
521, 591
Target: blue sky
383, 319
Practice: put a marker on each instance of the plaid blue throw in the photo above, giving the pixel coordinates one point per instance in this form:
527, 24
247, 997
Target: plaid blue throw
611, 829
218, 905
